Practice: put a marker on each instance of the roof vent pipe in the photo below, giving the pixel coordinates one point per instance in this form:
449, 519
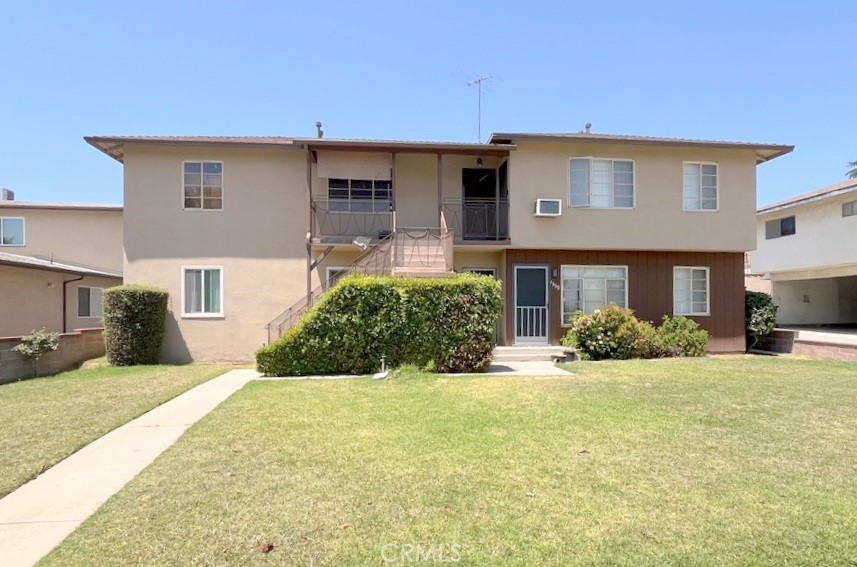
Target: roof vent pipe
320, 132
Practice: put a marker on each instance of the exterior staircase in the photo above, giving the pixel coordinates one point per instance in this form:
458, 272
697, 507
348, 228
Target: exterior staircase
416, 252
422, 252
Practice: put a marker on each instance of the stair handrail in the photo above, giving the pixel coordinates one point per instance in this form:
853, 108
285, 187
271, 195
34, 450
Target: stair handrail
374, 261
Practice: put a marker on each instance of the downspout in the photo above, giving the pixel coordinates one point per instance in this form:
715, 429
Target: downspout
64, 307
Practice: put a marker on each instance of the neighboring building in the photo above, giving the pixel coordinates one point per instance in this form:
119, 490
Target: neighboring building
55, 259
248, 226
807, 248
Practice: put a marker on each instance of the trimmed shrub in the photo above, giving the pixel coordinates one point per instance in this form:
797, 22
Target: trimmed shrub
615, 333
134, 318
760, 317
678, 336
444, 323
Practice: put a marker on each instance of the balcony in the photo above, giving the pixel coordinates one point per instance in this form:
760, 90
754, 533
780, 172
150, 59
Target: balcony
341, 221
476, 220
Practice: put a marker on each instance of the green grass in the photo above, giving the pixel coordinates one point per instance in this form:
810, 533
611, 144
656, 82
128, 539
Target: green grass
44, 420
719, 461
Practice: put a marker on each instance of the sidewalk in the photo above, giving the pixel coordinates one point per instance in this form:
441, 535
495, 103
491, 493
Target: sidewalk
36, 517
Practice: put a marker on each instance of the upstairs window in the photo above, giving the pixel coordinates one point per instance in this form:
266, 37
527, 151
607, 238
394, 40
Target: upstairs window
780, 227
360, 195
11, 231
202, 294
700, 187
849, 209
601, 183
89, 302
203, 185
587, 288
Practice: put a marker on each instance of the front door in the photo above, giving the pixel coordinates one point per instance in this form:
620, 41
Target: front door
531, 305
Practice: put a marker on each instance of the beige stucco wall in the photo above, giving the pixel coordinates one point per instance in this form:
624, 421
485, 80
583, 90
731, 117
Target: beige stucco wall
72, 319
90, 238
757, 283
258, 239
540, 170
823, 239
32, 299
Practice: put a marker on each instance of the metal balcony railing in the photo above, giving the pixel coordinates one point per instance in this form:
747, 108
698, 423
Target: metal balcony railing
344, 219
418, 249
478, 219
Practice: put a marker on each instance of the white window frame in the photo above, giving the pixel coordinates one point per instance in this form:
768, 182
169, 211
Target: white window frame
328, 271
23, 227
699, 189
90, 316
221, 313
202, 185
613, 189
707, 311
562, 312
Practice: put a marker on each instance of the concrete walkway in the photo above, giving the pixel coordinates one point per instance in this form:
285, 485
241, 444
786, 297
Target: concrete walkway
39, 515
36, 517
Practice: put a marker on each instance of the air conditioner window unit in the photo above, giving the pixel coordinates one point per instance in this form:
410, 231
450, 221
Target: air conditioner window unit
548, 207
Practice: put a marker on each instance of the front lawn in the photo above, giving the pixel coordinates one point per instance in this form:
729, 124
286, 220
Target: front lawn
718, 461
44, 420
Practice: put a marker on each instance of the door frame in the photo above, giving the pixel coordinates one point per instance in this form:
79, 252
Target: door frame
524, 340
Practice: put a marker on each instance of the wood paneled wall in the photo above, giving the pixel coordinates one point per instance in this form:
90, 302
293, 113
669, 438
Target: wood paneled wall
650, 287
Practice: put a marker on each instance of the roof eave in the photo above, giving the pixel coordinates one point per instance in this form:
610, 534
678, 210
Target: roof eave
764, 152
776, 207
115, 146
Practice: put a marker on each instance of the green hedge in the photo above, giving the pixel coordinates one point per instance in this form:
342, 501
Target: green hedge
134, 324
443, 323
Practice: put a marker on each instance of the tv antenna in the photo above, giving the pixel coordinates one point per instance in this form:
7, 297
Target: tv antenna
481, 82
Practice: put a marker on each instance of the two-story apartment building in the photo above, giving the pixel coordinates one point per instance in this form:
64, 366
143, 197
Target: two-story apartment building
238, 229
807, 248
55, 260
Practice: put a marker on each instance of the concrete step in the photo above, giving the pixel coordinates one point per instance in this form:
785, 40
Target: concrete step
531, 353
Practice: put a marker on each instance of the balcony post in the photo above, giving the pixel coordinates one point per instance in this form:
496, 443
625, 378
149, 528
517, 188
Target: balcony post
393, 190
439, 187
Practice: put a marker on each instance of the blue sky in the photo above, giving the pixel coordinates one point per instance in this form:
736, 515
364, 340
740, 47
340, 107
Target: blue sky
780, 72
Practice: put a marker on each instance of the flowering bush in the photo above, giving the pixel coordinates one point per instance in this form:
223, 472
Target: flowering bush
615, 333
611, 332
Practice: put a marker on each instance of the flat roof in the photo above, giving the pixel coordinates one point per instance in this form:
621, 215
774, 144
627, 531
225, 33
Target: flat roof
764, 152
114, 146
35, 263
60, 206
498, 143
828, 192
